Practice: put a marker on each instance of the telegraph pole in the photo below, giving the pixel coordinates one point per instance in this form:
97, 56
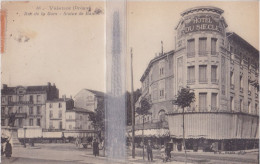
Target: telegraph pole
132, 107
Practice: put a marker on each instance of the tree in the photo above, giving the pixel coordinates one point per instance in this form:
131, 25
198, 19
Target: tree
184, 99
137, 94
98, 118
143, 110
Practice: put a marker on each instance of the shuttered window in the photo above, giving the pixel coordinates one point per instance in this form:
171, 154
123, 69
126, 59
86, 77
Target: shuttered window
214, 73
202, 102
191, 74
203, 73
213, 46
191, 48
214, 101
202, 46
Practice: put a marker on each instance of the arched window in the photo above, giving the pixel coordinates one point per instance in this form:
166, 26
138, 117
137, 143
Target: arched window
162, 115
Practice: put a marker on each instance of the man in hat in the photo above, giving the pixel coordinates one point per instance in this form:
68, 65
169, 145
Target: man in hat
95, 147
149, 150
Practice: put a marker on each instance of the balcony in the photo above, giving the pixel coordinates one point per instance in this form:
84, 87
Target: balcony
191, 81
232, 86
190, 54
203, 81
20, 103
203, 53
241, 89
249, 93
214, 53
203, 109
214, 81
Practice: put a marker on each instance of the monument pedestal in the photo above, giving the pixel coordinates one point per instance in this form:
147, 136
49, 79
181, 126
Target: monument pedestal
12, 134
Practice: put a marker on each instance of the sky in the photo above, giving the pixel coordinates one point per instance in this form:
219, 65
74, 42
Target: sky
70, 51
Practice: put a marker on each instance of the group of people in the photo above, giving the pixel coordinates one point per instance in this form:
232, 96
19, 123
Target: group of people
165, 152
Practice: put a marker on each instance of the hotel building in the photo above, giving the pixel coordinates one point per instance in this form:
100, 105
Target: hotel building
222, 70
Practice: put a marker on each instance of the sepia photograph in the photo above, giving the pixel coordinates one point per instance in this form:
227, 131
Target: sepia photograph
130, 82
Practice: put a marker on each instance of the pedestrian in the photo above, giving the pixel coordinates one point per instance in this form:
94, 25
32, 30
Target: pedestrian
95, 148
8, 149
149, 150
168, 152
163, 154
77, 141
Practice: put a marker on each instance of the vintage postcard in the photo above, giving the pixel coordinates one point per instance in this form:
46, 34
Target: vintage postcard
130, 82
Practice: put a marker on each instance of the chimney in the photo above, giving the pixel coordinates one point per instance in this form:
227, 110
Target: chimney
4, 86
64, 97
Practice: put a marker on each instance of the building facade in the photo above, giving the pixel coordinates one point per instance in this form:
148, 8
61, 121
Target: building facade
28, 102
88, 99
222, 70
56, 112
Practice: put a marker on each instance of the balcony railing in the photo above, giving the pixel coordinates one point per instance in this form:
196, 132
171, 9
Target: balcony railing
203, 81
232, 86
190, 54
203, 109
214, 53
215, 81
241, 89
203, 53
191, 81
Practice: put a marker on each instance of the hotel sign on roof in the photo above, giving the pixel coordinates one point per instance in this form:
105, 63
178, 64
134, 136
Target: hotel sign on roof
201, 23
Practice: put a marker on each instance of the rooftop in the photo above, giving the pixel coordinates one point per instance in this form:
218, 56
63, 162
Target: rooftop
202, 8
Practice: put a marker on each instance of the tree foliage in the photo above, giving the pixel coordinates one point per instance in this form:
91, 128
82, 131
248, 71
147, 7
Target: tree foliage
98, 117
184, 98
144, 108
137, 94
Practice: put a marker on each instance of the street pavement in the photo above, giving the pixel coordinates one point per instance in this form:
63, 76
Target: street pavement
68, 153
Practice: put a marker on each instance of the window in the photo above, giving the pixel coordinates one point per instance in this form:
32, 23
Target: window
161, 71
60, 114
213, 46
50, 105
231, 103
51, 125
80, 117
20, 121
202, 46
31, 98
241, 105
60, 124
80, 127
232, 78
3, 110
191, 48
51, 114
30, 110
38, 122
161, 93
10, 98
3, 99
249, 107
214, 101
214, 73
191, 75
202, 102
10, 110
38, 110
2, 122
19, 109
60, 105
256, 107
241, 82
31, 122
162, 115
38, 98
203, 73
20, 98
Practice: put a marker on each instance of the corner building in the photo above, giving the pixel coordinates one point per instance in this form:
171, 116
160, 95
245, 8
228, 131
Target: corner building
222, 70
